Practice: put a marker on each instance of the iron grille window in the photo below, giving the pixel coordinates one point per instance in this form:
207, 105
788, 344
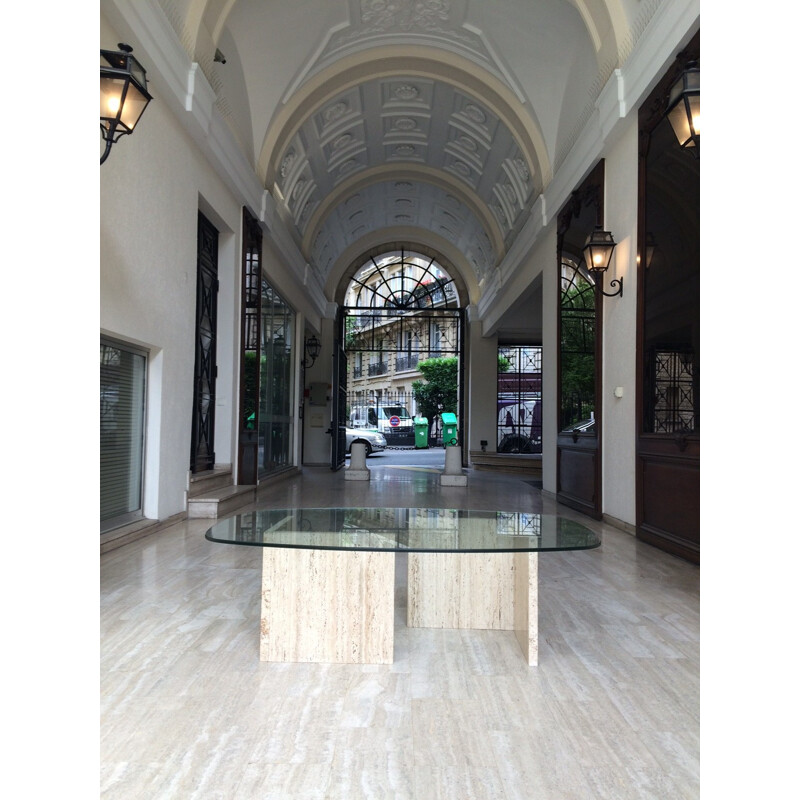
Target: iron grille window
672, 407
519, 399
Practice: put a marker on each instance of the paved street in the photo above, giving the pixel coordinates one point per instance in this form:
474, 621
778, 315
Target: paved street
432, 457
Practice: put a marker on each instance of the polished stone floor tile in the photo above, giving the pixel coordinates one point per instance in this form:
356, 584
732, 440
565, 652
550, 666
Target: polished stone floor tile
188, 712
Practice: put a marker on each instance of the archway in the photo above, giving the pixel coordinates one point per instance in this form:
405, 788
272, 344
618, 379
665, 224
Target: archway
402, 318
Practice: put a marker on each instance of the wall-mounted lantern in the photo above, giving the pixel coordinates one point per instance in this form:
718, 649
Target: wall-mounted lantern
683, 108
312, 348
123, 94
597, 253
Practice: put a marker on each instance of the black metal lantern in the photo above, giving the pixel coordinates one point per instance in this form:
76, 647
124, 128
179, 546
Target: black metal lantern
598, 250
312, 348
123, 94
597, 253
683, 108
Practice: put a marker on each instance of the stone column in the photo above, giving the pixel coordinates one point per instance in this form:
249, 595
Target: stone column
453, 475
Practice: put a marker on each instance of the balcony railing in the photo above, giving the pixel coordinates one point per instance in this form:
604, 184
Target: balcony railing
406, 362
378, 369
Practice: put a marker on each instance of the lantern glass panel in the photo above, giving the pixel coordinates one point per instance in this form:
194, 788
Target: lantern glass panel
694, 109
111, 90
679, 120
135, 103
137, 72
598, 250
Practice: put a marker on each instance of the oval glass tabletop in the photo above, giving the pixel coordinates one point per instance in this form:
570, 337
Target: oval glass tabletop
433, 530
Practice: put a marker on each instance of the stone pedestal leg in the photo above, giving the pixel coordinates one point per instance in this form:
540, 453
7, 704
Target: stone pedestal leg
495, 591
327, 606
526, 605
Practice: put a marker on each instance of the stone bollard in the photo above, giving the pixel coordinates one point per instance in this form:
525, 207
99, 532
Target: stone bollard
357, 471
453, 475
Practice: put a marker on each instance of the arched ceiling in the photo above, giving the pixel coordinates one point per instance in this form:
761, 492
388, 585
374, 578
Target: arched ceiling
446, 117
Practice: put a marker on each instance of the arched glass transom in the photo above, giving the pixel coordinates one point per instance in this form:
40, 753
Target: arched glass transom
402, 281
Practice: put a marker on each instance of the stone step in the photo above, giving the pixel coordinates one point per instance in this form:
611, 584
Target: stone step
220, 502
527, 464
204, 482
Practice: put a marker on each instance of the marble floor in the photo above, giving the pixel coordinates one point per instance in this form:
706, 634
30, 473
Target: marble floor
189, 712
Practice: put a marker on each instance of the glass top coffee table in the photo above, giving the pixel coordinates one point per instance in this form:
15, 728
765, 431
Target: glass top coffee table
328, 575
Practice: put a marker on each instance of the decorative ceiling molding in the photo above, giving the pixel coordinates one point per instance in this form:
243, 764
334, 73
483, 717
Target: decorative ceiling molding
430, 132
440, 24
403, 202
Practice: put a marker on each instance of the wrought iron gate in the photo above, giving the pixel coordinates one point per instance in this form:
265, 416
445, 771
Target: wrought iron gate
205, 361
401, 309
338, 429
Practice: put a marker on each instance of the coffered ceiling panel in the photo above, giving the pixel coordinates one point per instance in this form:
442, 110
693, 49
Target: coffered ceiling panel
403, 203
447, 134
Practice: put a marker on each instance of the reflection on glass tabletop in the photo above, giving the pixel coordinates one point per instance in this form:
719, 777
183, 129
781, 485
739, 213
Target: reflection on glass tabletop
436, 530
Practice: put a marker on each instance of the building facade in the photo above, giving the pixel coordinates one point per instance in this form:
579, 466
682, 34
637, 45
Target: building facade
287, 145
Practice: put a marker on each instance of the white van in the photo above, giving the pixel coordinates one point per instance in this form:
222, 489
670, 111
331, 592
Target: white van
385, 419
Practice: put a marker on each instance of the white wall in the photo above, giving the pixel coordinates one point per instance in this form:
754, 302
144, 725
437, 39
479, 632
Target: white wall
151, 187
317, 419
619, 329
481, 379
548, 257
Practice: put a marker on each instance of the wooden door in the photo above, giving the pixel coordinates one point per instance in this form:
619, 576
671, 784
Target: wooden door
668, 331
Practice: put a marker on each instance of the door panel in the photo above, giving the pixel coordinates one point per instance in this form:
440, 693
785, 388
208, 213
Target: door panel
205, 366
577, 477
670, 498
578, 443
250, 366
338, 429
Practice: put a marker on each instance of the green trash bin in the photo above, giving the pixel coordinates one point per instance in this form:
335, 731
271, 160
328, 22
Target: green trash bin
421, 433
449, 429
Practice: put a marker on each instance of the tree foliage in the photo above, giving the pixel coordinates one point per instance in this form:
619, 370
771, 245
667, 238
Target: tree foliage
437, 392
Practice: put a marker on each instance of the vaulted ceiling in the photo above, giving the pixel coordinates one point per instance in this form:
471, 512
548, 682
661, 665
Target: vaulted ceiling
433, 120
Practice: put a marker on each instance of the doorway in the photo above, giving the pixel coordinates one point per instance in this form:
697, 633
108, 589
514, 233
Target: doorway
202, 456
400, 337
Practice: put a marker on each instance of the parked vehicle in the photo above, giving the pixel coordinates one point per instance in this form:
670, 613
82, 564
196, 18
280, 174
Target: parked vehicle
375, 442
519, 426
380, 418
584, 426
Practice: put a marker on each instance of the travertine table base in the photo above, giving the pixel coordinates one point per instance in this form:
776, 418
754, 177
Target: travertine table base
328, 606
335, 606
490, 591
328, 575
